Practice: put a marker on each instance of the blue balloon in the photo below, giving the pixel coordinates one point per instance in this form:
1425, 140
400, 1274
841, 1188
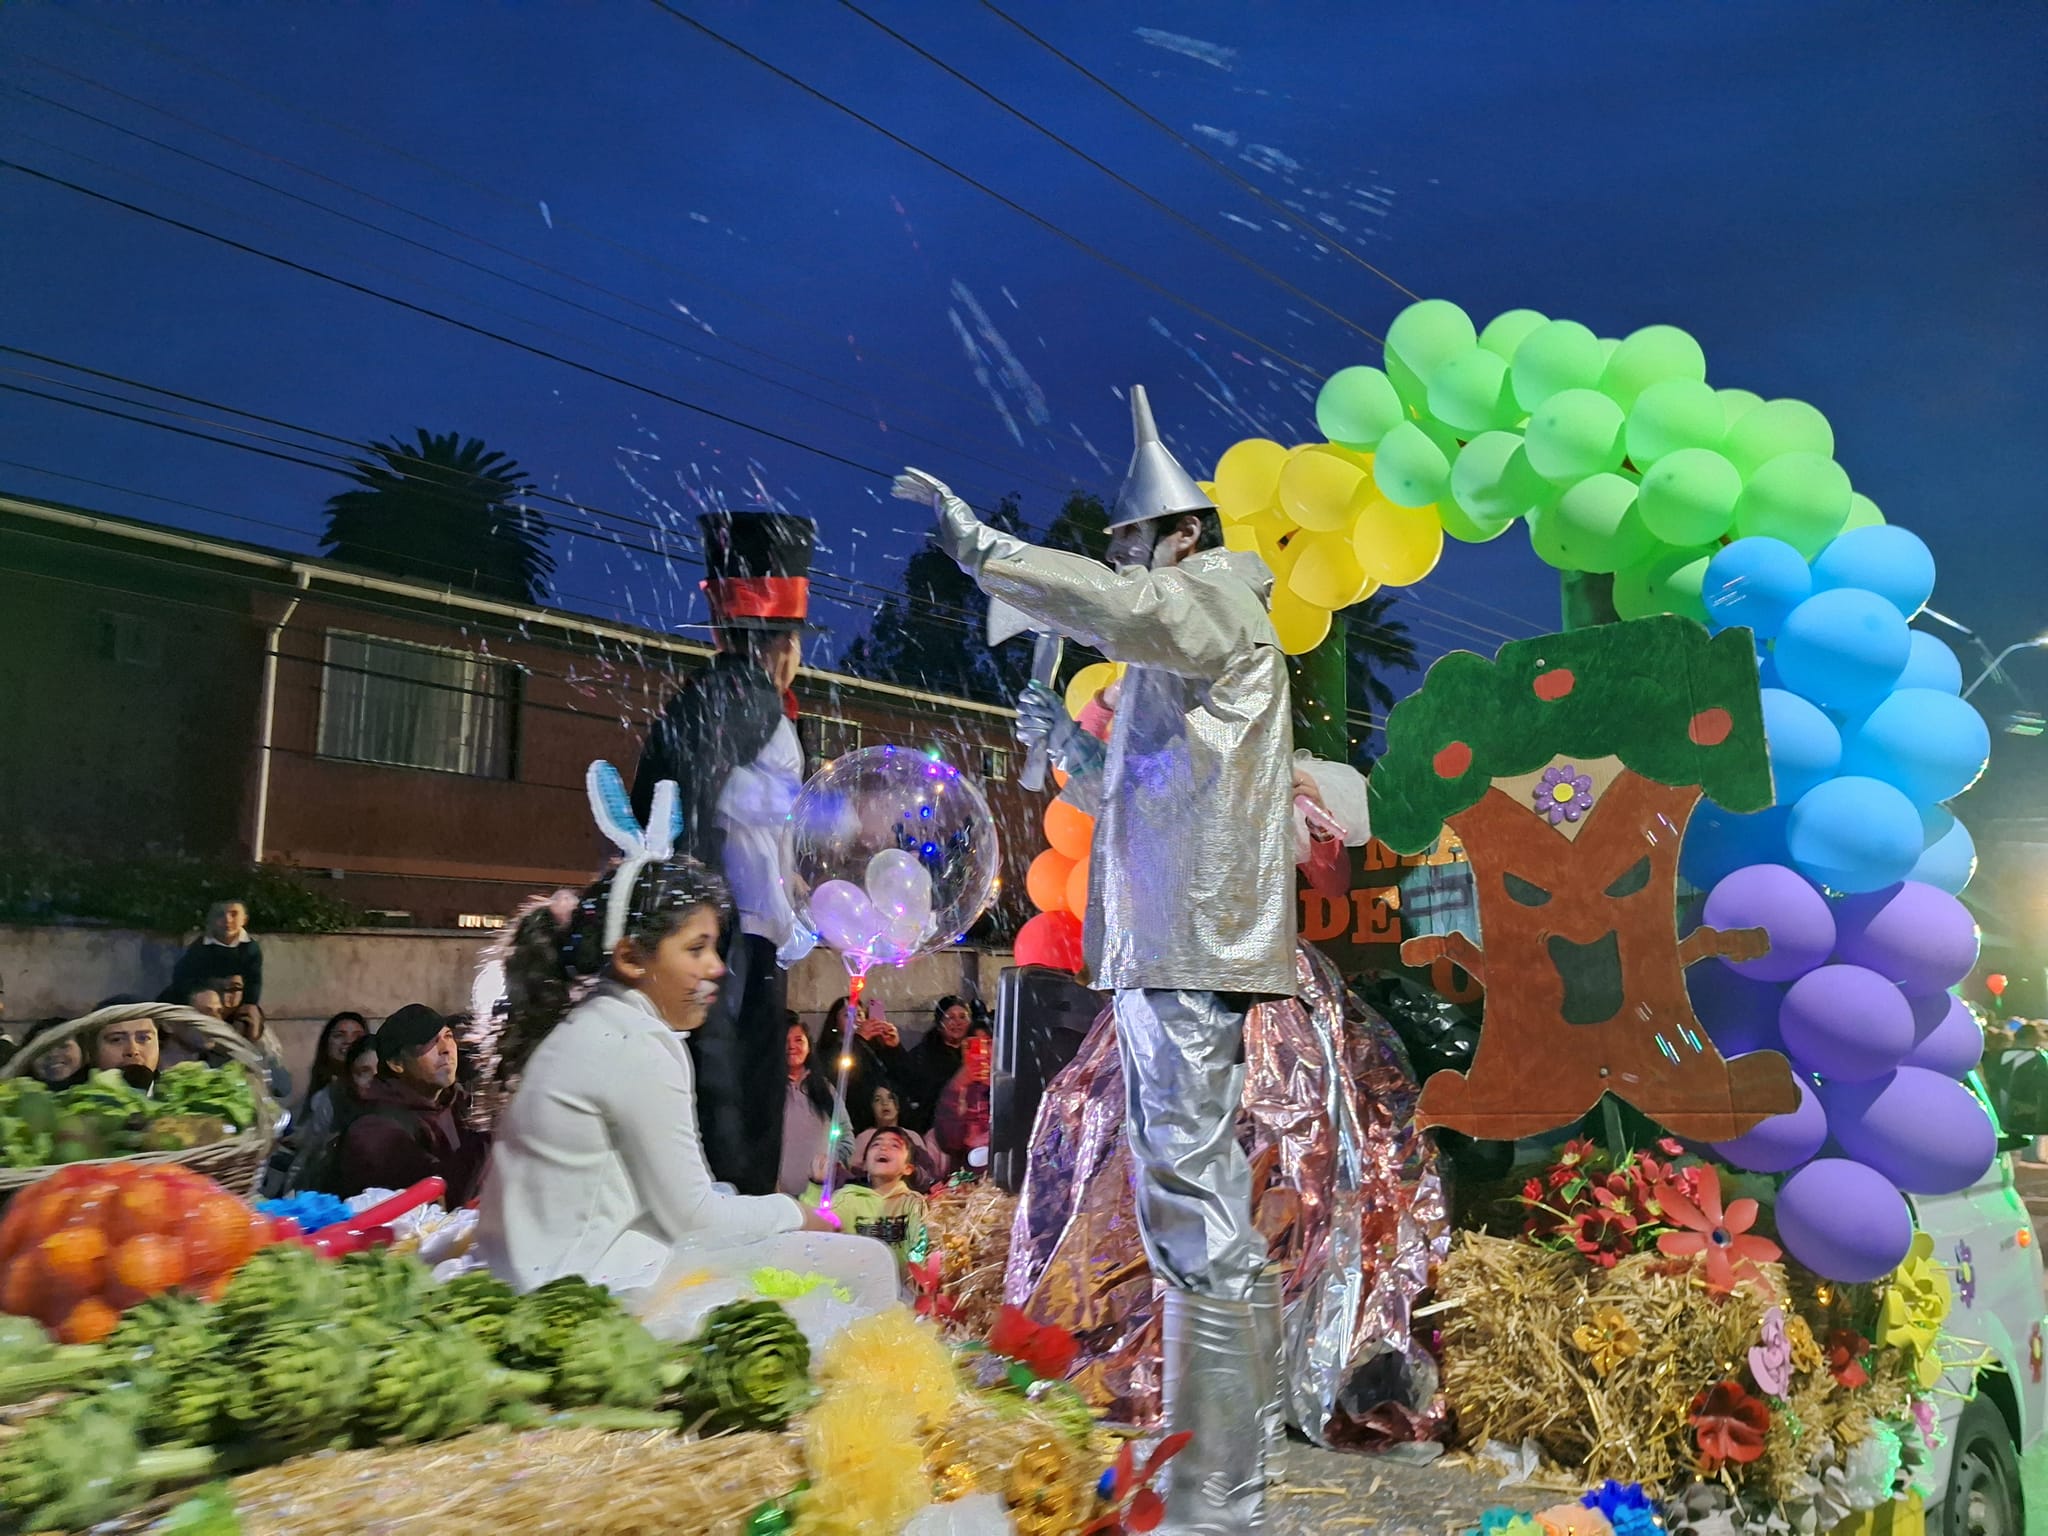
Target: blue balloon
1739, 1013
1754, 583
1843, 650
1854, 834
1718, 842
1949, 858
1885, 559
1767, 672
1804, 744
1932, 745
1931, 664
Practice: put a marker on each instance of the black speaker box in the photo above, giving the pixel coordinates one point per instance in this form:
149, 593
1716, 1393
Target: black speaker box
1042, 1017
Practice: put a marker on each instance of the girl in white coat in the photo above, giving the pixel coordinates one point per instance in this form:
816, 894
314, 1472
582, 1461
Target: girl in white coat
598, 1169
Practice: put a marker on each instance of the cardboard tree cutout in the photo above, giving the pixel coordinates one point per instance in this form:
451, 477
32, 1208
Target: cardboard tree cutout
1568, 767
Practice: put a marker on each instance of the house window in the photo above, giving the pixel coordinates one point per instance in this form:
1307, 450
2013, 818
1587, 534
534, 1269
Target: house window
830, 738
995, 764
416, 706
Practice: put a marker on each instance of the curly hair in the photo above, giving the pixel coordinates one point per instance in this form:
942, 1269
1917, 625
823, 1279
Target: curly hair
556, 949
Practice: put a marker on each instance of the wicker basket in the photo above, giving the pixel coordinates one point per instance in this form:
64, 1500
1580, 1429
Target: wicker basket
236, 1163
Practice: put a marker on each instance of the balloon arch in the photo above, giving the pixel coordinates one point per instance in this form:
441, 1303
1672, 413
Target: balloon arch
1622, 461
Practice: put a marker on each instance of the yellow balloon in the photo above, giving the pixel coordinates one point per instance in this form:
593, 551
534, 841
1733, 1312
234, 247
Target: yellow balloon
1247, 476
1088, 682
1316, 486
1396, 546
1281, 551
1300, 626
1326, 573
1244, 536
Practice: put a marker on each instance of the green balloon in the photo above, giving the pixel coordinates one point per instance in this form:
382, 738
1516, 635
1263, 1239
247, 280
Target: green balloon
1556, 356
1774, 428
1506, 332
1689, 497
1737, 403
1357, 407
1573, 434
1802, 498
1409, 469
1470, 392
1675, 414
1651, 356
1668, 581
1863, 513
1428, 334
1592, 527
1459, 524
1413, 393
1492, 485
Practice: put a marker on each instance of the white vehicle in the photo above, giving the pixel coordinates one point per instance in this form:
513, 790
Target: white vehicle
1994, 1412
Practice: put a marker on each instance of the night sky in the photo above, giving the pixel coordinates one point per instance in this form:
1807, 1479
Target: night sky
1845, 203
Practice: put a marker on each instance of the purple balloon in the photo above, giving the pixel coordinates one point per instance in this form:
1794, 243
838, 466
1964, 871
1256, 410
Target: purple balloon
1784, 1141
1846, 1023
1782, 902
1911, 933
1843, 1221
1740, 1013
1925, 1132
1946, 1036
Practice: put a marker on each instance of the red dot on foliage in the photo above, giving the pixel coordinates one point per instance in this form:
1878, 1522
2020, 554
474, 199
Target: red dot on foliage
1710, 727
1453, 760
1555, 684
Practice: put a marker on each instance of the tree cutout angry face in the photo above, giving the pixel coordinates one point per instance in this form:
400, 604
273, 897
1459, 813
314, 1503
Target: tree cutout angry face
1568, 768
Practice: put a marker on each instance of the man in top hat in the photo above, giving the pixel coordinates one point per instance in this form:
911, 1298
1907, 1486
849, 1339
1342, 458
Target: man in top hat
728, 739
1190, 918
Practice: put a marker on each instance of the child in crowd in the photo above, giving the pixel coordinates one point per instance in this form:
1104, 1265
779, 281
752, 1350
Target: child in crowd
885, 1113
885, 1208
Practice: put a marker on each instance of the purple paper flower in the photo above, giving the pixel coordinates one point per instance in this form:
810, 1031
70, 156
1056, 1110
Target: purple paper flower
1563, 794
1771, 1361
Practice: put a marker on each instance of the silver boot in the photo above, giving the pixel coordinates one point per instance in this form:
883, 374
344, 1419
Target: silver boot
1216, 1486
1269, 1336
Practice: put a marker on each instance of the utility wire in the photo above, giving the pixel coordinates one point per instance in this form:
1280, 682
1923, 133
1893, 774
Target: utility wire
1322, 237
986, 190
1199, 229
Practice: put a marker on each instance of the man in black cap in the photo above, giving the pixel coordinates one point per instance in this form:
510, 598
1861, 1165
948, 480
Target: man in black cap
728, 739
411, 1124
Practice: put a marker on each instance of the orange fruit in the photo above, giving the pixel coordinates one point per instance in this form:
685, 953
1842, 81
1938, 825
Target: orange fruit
88, 1322
75, 1257
21, 1287
149, 1263
215, 1235
146, 1206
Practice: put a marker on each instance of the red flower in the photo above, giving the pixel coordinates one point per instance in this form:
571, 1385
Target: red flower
1532, 1192
931, 1302
1669, 1147
1575, 1153
1133, 1506
1723, 1236
1047, 1352
1729, 1425
1846, 1348
1604, 1233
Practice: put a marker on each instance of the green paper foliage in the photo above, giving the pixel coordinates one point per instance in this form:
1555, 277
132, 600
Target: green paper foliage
1635, 690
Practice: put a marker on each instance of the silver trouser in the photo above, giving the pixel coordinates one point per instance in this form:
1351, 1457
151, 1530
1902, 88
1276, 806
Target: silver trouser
1216, 1486
1183, 1055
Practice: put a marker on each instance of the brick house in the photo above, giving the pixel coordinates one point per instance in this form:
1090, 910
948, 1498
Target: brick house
420, 747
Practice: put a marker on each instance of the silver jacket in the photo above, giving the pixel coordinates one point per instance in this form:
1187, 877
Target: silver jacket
1192, 880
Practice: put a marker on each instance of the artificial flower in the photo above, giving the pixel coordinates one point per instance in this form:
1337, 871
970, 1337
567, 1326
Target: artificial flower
862, 1479
1608, 1340
1573, 1520
927, 1275
1846, 1348
1562, 794
1612, 1497
1927, 1421
1040, 1490
1770, 1362
1915, 1303
1133, 1506
1605, 1233
1729, 1425
892, 1353
1047, 1352
1806, 1356
1732, 1251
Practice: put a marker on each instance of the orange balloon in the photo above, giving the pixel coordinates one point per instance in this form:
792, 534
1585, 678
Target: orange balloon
1069, 830
1046, 881
1077, 889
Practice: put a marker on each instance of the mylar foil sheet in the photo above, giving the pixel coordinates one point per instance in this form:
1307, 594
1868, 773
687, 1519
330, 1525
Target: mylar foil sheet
1348, 1193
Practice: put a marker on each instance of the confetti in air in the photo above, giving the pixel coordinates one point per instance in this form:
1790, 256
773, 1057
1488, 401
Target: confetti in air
546, 217
1214, 54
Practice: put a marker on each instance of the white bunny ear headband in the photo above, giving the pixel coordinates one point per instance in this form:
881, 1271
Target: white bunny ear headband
638, 847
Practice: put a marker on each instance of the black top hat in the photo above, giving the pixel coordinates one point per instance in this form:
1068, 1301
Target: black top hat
757, 568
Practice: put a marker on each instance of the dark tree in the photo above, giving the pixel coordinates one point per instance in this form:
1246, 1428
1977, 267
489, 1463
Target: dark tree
445, 510
1377, 645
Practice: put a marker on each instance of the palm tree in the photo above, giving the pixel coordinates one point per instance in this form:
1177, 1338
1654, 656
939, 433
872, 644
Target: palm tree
1377, 644
445, 510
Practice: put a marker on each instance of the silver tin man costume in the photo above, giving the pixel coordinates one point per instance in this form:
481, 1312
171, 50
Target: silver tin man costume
1190, 920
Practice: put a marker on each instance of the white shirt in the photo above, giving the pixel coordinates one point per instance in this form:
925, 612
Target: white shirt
598, 1169
752, 809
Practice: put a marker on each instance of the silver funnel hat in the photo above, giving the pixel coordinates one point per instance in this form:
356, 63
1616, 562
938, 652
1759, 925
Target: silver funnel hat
1155, 485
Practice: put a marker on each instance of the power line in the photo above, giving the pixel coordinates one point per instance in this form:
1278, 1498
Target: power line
985, 189
1202, 230
1322, 237
660, 337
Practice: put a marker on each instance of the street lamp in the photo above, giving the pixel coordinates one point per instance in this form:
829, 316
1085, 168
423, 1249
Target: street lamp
2023, 645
